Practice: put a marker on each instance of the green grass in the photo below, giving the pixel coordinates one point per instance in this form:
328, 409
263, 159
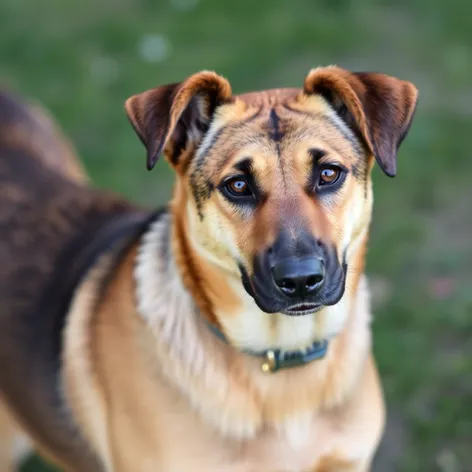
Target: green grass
82, 59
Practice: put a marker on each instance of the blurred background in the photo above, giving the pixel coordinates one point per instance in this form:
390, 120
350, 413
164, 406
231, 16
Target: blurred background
83, 58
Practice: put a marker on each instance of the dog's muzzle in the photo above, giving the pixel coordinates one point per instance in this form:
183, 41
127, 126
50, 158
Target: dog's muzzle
295, 276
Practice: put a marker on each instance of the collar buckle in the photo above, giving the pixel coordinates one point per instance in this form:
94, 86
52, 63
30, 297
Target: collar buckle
269, 364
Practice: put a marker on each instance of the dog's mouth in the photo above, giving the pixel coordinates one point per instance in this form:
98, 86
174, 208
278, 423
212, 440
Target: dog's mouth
302, 309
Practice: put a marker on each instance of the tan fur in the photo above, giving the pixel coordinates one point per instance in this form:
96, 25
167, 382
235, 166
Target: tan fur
147, 384
8, 431
81, 382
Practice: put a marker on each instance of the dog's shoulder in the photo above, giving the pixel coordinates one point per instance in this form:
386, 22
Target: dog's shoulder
35, 308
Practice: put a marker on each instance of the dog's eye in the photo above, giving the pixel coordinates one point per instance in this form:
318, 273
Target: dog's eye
238, 187
329, 175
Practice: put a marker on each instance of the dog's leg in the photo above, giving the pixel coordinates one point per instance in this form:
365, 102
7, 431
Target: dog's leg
14, 445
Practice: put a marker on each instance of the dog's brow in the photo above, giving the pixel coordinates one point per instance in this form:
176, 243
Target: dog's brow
245, 165
316, 154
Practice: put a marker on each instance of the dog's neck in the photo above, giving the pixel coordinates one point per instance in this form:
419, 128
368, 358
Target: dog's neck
225, 385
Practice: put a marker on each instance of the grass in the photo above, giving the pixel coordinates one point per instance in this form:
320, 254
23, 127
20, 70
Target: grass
83, 58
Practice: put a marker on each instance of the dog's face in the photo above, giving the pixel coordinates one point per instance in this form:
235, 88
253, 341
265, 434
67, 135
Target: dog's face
276, 184
274, 196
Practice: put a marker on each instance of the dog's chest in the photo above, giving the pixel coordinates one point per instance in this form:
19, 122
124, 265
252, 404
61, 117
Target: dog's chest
153, 428
303, 450
181, 444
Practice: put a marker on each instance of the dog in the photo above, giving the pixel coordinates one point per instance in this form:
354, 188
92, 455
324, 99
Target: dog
227, 331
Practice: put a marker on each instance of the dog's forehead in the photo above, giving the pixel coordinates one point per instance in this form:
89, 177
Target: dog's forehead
269, 98
286, 115
269, 123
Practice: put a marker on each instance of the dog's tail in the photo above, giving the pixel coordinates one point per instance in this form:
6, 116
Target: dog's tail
28, 127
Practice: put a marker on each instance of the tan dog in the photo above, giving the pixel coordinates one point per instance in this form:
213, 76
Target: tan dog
229, 332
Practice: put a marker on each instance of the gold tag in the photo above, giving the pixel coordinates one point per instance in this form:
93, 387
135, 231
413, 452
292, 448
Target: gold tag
269, 363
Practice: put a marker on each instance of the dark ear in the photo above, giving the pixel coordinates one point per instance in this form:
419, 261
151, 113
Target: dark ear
377, 106
172, 117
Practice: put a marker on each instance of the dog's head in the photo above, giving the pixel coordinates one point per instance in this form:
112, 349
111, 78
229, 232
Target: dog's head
275, 186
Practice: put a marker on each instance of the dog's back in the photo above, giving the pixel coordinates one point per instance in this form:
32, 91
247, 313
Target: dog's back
48, 221
29, 128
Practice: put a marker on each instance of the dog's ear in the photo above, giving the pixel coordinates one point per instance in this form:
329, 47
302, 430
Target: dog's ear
173, 117
378, 107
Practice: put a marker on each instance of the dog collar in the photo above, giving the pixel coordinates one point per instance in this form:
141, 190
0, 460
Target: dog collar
276, 359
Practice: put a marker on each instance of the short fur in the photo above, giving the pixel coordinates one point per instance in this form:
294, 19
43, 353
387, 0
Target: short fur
122, 372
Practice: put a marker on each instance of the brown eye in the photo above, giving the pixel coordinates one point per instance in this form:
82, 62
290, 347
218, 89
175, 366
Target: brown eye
238, 187
329, 175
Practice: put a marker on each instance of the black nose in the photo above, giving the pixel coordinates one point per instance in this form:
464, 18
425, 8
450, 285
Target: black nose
299, 278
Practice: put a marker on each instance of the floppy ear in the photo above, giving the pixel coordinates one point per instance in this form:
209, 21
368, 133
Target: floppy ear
171, 117
378, 107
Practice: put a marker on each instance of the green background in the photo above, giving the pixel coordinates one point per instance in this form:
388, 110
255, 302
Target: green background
82, 59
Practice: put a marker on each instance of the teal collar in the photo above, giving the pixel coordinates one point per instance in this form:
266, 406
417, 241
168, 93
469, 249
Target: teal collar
276, 359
